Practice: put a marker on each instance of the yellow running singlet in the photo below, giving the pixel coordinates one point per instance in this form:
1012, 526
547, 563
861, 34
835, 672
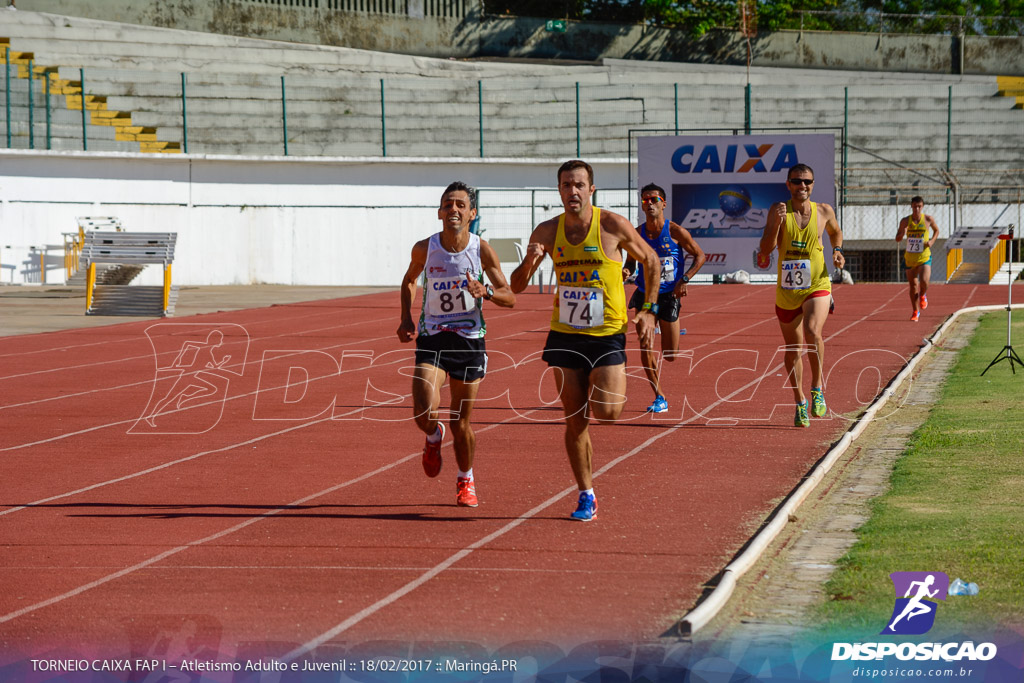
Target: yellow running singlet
590, 298
801, 261
917, 251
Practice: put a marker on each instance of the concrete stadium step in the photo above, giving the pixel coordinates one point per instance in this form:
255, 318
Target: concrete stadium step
970, 273
1009, 272
118, 275
145, 301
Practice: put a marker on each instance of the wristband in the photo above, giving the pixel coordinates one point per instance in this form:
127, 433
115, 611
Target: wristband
648, 306
839, 249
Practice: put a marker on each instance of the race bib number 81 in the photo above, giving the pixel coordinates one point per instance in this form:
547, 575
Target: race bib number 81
446, 296
795, 274
580, 306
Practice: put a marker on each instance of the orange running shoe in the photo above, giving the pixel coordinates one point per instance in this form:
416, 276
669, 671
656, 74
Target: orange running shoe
914, 317
432, 454
924, 301
465, 493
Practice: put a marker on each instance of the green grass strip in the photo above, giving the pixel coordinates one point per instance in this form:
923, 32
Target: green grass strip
956, 503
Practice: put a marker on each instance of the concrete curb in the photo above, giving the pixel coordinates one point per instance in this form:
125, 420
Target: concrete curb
703, 613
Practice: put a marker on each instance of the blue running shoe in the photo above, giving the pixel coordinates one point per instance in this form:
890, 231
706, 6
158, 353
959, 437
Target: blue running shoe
586, 510
660, 405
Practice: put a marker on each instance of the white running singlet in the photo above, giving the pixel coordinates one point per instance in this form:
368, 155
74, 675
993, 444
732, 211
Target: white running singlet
447, 306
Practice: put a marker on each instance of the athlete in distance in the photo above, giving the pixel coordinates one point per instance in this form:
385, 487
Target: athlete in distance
669, 241
918, 254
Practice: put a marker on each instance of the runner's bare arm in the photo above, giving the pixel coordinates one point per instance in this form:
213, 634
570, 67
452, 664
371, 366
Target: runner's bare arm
902, 232
407, 328
542, 242
685, 240
629, 239
770, 236
835, 235
503, 296
935, 229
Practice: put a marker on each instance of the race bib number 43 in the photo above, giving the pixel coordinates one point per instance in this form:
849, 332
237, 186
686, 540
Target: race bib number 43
446, 296
580, 306
915, 245
795, 274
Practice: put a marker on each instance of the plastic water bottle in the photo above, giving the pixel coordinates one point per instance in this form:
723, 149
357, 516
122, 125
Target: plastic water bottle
958, 587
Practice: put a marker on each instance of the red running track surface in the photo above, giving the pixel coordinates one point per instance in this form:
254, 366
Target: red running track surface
287, 509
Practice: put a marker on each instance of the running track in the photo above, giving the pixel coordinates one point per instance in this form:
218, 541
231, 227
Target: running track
272, 519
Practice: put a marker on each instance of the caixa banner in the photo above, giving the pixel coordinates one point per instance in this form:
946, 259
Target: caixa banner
720, 187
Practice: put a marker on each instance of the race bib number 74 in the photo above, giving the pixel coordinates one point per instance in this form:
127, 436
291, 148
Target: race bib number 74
580, 306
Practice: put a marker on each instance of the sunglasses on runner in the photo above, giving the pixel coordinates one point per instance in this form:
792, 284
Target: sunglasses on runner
651, 200
802, 181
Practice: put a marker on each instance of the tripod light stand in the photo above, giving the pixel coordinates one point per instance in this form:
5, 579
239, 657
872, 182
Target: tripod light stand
1009, 354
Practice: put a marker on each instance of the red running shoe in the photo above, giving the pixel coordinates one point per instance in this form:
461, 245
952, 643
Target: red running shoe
914, 317
432, 454
924, 301
465, 493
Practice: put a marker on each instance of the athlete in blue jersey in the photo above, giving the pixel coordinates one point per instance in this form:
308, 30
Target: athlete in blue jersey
669, 240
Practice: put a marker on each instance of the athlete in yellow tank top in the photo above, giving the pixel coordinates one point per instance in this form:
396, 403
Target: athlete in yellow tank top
590, 298
802, 295
802, 271
918, 254
587, 340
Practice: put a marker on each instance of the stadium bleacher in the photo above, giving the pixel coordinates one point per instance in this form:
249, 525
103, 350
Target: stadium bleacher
347, 102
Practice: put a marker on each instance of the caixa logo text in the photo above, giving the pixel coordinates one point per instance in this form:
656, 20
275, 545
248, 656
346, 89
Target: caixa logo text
734, 158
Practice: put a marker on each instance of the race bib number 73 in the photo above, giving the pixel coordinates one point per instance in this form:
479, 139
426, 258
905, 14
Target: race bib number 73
915, 245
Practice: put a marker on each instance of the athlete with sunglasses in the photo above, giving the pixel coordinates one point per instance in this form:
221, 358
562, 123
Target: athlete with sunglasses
803, 293
669, 240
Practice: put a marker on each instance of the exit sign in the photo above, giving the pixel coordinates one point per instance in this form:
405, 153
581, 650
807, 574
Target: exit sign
556, 25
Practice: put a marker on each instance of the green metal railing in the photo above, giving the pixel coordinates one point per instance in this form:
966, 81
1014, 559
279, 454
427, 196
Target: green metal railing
512, 117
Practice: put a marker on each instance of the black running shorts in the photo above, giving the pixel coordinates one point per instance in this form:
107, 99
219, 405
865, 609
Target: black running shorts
463, 359
584, 351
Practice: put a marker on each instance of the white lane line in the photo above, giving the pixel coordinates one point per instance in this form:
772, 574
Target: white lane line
447, 563
123, 339
222, 449
130, 421
409, 587
220, 534
148, 356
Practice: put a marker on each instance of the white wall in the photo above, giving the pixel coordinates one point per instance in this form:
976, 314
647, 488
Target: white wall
243, 220
309, 221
